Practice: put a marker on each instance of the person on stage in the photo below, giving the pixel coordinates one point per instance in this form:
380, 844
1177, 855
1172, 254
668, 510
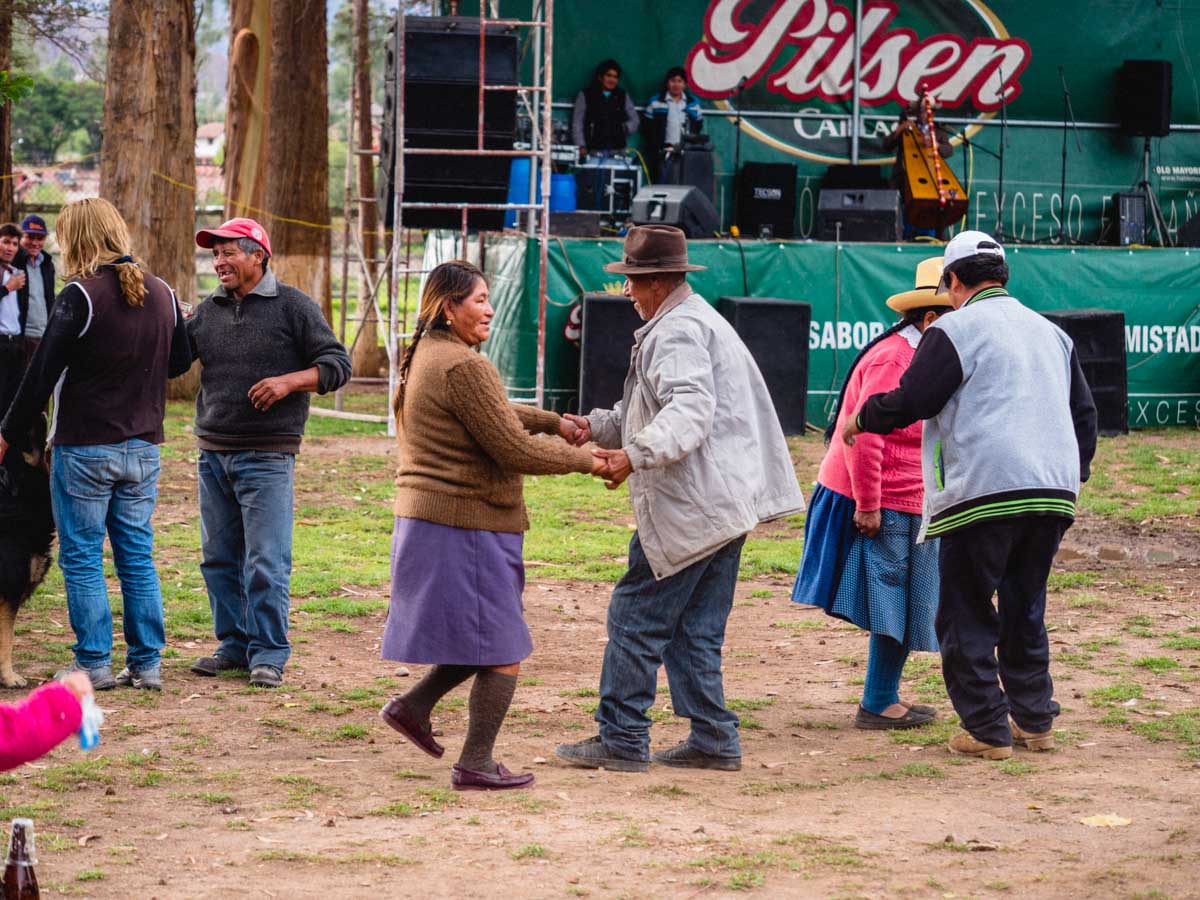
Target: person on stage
915, 115
861, 562
670, 115
1009, 438
457, 574
604, 116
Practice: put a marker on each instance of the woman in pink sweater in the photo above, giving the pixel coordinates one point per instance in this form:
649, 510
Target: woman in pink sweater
861, 561
43, 720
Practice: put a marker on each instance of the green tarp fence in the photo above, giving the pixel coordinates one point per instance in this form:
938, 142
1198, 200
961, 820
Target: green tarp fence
1158, 291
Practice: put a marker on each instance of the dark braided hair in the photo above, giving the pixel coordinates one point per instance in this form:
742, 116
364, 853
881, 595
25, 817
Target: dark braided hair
449, 284
911, 317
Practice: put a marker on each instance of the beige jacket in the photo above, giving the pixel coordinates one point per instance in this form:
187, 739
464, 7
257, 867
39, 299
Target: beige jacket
709, 458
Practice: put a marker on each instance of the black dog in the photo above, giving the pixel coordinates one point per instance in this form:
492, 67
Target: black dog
26, 533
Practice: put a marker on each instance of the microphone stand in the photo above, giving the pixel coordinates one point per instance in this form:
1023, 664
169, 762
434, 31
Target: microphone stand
737, 146
1003, 141
1068, 116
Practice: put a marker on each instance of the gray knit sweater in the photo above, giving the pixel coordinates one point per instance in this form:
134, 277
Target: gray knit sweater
275, 329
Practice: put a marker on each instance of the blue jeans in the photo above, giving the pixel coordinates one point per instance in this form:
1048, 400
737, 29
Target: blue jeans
98, 489
246, 539
678, 622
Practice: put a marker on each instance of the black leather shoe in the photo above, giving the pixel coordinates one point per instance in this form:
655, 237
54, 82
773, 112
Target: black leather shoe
501, 780
868, 721
685, 756
592, 754
396, 714
209, 666
266, 677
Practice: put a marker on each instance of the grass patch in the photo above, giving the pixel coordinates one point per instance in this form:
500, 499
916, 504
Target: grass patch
743, 705
1157, 664
90, 875
1183, 642
1114, 694
1065, 581
396, 810
531, 851
1016, 767
672, 791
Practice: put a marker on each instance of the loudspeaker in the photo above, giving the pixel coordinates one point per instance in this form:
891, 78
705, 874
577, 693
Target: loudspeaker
1189, 233
693, 165
681, 205
776, 334
1128, 224
441, 110
1144, 97
1099, 338
862, 214
766, 200
609, 321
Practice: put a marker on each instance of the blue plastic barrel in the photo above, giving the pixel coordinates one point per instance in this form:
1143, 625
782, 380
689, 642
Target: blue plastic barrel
562, 193
518, 188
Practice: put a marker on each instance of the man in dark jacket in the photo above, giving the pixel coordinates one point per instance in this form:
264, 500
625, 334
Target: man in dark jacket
1010, 431
36, 296
264, 347
604, 117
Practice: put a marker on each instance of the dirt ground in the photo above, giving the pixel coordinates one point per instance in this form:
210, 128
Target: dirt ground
214, 789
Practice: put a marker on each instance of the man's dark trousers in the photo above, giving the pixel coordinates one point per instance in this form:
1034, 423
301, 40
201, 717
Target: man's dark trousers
12, 368
1010, 558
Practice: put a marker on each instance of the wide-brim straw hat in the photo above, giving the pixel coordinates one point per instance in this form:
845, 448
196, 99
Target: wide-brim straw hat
651, 249
929, 273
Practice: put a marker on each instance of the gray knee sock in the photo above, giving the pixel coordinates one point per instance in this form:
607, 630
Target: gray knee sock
491, 695
438, 682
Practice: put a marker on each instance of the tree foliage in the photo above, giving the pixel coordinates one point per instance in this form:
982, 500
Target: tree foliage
58, 111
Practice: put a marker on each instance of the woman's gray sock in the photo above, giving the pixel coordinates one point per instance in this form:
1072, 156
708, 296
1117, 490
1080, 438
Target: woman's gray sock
438, 682
491, 695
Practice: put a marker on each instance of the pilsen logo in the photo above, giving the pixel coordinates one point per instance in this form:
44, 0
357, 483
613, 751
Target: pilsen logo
803, 50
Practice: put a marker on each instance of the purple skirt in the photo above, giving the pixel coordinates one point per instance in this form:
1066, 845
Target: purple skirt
456, 596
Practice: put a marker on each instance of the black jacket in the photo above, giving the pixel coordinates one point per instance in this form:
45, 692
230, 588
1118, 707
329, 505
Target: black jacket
19, 262
275, 329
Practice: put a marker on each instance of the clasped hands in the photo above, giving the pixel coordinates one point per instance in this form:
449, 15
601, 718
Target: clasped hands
611, 465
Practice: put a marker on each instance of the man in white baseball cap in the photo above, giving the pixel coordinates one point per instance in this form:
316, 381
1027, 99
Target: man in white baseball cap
1009, 436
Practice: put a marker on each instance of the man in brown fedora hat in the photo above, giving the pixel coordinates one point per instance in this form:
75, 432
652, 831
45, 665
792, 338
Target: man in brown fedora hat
697, 437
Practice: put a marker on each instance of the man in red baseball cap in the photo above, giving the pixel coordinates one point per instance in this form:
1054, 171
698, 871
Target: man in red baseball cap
264, 347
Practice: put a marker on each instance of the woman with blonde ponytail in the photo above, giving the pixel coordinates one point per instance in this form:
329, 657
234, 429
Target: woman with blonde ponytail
114, 337
457, 574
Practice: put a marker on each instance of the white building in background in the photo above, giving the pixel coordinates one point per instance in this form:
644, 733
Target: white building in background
210, 138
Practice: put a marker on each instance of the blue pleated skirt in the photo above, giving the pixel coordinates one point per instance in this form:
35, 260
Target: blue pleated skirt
887, 584
456, 596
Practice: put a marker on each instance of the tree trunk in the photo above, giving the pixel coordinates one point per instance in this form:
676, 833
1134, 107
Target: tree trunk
7, 213
366, 351
147, 156
298, 149
248, 97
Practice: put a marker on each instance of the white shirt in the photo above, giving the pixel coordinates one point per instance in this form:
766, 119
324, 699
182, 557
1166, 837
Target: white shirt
10, 310
675, 116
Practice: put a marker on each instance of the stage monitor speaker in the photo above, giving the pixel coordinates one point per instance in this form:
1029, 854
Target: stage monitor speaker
776, 334
1099, 339
853, 214
441, 103
681, 205
766, 200
1144, 97
1128, 225
609, 321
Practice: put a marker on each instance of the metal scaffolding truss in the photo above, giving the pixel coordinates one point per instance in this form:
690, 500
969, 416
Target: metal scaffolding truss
536, 99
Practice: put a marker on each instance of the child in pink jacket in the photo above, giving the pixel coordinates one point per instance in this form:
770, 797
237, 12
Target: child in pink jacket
43, 720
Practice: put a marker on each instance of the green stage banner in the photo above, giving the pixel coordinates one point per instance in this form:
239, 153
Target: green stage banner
1158, 291
791, 64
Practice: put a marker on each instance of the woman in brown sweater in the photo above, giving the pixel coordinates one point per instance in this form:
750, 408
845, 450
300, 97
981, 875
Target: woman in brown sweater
457, 573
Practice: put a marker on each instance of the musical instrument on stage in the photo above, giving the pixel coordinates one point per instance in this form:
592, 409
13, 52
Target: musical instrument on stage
933, 196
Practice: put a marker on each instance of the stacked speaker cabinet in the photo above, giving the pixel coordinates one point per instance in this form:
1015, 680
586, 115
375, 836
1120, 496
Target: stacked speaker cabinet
441, 110
682, 205
776, 334
1099, 339
609, 321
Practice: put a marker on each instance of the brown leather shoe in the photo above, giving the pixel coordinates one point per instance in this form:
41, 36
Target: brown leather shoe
964, 744
397, 715
501, 780
1031, 740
